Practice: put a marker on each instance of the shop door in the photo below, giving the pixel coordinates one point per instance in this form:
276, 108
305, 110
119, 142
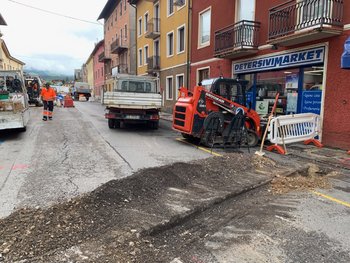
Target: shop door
311, 94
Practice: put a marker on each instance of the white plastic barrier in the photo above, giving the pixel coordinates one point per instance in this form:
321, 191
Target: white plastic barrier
294, 128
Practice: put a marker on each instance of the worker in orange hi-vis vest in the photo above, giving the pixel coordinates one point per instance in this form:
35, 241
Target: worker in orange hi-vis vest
48, 95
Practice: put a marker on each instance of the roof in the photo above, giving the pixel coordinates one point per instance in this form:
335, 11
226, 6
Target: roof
2, 21
7, 52
108, 9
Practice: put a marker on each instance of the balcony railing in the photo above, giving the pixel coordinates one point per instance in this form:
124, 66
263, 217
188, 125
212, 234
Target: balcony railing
102, 57
153, 64
153, 28
237, 38
293, 16
119, 46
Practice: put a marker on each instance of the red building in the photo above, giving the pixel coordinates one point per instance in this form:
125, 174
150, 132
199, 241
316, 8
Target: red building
293, 48
99, 79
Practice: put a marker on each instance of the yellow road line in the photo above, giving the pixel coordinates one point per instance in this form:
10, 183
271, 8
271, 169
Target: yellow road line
200, 148
332, 199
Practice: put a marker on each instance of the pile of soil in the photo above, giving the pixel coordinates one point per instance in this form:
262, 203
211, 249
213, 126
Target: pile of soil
107, 216
309, 178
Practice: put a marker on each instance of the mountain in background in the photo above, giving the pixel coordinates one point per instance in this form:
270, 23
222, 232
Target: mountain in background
47, 75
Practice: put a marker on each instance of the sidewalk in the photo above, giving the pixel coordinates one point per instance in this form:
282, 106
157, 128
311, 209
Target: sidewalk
166, 116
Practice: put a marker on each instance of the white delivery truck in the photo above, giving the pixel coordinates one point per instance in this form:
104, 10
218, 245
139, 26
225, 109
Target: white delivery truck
14, 106
134, 99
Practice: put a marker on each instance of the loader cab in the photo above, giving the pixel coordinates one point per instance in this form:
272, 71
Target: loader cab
230, 89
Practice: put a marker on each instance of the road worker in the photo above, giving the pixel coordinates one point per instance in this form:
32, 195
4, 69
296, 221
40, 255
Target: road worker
48, 96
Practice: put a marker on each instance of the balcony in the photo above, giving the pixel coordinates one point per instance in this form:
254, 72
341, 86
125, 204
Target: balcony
153, 28
294, 22
102, 57
123, 69
237, 40
153, 64
119, 46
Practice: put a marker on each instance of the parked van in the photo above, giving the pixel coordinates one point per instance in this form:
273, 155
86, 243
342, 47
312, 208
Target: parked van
14, 106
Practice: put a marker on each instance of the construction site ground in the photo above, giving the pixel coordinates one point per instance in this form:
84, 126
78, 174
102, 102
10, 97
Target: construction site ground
236, 208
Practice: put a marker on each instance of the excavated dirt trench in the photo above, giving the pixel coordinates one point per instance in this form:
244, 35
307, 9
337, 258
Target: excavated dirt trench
111, 224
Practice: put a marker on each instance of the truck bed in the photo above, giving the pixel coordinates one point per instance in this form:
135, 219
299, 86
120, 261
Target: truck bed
132, 100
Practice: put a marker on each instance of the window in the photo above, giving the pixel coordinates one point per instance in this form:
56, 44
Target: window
180, 3
121, 36
179, 83
202, 73
170, 7
170, 44
126, 31
181, 39
124, 4
146, 54
140, 57
245, 11
136, 86
146, 22
140, 27
169, 88
204, 28
121, 8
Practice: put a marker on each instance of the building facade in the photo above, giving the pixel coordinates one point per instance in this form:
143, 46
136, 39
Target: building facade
292, 48
98, 67
90, 73
7, 62
119, 54
162, 44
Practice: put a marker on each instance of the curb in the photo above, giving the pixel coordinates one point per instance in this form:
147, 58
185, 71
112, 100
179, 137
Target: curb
179, 219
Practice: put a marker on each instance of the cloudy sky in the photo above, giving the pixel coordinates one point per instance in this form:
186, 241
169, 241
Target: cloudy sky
50, 42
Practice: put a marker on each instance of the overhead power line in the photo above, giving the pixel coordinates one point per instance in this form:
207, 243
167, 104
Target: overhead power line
54, 13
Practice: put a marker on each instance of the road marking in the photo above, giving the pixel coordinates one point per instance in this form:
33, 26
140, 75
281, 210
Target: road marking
20, 167
332, 199
200, 148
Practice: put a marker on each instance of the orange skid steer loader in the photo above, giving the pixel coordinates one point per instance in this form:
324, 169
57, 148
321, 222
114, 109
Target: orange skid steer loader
215, 114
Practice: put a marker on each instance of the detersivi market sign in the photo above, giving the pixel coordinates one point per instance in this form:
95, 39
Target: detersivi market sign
285, 60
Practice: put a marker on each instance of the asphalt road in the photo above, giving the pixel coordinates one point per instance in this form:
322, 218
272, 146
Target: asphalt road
77, 152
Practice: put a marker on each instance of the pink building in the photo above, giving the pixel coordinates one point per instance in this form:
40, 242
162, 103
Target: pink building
98, 70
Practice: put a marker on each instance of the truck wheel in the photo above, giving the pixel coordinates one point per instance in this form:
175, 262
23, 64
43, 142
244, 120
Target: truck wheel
111, 123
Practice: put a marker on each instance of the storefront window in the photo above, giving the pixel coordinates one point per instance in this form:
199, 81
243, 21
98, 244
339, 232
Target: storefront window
313, 78
284, 82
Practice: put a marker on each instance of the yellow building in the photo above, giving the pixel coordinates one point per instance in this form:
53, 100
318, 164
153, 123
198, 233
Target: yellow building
90, 73
162, 44
7, 62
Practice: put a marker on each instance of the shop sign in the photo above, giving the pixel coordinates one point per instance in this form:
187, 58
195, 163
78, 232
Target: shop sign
311, 101
262, 107
249, 98
345, 58
285, 60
